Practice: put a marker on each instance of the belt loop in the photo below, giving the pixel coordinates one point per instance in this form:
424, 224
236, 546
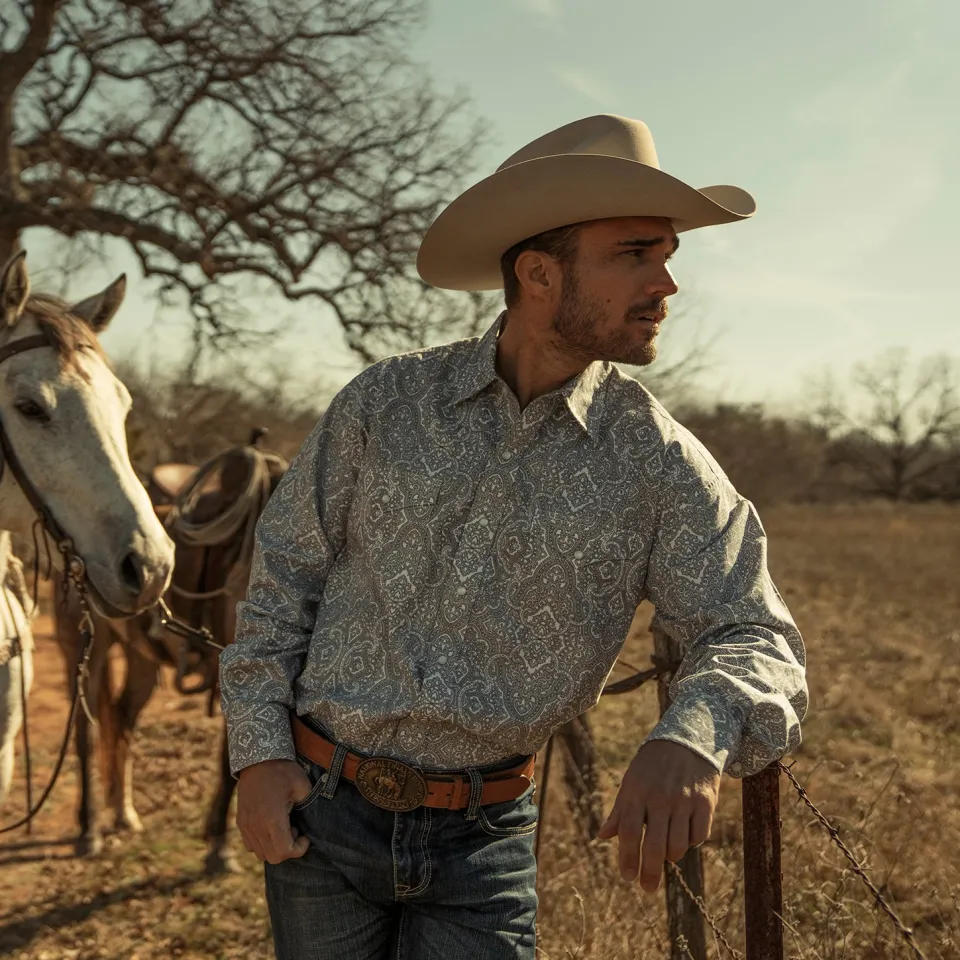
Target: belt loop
333, 774
476, 793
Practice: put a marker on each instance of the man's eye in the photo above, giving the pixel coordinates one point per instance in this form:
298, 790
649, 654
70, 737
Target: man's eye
32, 410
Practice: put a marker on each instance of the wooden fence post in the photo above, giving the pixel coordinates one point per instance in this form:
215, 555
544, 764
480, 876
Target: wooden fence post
688, 938
762, 877
581, 774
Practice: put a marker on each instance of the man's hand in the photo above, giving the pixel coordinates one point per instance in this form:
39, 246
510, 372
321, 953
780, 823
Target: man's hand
266, 793
672, 792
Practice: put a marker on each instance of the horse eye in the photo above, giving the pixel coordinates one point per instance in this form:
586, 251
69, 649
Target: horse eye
32, 410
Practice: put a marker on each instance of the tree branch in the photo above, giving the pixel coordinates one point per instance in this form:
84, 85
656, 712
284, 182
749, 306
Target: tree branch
18, 63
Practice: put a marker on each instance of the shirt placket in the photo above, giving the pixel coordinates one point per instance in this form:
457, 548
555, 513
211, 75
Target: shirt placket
487, 512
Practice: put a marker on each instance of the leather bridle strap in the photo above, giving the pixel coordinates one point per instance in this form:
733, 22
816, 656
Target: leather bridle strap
23, 345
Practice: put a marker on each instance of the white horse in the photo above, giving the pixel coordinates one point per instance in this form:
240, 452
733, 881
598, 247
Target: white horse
62, 414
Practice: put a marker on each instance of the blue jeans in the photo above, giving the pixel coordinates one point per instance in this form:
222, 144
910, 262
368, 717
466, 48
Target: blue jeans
430, 884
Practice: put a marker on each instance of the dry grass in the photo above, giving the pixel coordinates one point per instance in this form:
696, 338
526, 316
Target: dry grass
874, 590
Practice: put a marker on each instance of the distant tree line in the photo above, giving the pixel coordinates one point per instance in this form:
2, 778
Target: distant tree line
890, 429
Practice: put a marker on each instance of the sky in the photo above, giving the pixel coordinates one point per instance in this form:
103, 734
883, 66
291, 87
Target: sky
839, 117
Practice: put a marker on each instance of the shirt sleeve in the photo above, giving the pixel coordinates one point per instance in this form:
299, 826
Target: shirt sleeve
298, 537
740, 693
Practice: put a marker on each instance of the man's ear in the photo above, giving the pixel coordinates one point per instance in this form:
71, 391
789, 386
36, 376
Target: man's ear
538, 274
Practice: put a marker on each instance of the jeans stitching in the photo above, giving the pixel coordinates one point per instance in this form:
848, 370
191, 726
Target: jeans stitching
493, 831
476, 794
333, 774
393, 854
315, 791
403, 916
425, 850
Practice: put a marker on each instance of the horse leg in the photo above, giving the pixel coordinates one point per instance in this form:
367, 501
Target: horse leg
90, 841
219, 857
10, 721
143, 675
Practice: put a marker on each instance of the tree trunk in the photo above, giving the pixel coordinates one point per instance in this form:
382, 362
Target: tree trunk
9, 185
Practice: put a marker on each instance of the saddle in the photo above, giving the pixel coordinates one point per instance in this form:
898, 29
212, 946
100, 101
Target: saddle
167, 480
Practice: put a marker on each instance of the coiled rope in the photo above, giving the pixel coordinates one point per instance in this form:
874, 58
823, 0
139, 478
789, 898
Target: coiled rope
241, 514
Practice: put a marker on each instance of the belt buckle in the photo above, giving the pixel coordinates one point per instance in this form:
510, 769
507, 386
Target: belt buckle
390, 784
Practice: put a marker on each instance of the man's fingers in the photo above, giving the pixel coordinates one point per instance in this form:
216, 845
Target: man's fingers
678, 836
609, 829
300, 847
284, 841
701, 823
248, 832
630, 830
654, 848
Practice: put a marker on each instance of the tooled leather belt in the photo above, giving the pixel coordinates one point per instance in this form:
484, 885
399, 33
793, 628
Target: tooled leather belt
399, 787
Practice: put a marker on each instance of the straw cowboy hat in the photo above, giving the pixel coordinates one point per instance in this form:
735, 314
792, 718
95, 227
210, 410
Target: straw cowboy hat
591, 169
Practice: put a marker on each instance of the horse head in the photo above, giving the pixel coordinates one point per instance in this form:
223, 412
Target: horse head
62, 417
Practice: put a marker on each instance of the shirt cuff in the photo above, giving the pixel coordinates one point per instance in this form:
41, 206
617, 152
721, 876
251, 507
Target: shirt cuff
708, 729
257, 734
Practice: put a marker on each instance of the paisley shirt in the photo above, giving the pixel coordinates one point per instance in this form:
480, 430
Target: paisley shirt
443, 579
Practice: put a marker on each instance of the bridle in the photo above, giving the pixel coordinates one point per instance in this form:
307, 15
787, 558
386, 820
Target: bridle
75, 573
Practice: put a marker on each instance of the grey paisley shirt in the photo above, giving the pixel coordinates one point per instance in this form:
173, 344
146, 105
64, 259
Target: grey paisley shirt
444, 579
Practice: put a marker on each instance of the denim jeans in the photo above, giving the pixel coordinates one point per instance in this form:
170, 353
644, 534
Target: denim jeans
429, 884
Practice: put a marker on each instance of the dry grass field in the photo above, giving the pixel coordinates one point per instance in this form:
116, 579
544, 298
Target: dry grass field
874, 589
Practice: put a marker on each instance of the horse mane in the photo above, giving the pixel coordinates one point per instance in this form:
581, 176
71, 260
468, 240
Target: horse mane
67, 333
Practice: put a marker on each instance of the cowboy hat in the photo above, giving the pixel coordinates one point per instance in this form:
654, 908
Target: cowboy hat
591, 169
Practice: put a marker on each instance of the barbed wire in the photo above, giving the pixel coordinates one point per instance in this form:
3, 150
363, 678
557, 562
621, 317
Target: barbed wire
905, 931
704, 912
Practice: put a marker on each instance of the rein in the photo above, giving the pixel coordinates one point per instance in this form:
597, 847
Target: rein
75, 572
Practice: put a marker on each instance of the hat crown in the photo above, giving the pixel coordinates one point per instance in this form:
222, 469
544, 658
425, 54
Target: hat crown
605, 135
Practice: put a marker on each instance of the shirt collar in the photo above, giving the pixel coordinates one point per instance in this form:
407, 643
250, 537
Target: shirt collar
582, 394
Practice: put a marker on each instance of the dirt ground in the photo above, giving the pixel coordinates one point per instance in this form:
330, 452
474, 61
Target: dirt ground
874, 590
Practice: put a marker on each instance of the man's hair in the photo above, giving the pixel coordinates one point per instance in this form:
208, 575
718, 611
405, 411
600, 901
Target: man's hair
559, 243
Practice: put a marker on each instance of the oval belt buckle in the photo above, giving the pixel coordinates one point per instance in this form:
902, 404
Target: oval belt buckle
390, 784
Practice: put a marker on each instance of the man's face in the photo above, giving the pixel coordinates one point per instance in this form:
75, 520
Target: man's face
614, 291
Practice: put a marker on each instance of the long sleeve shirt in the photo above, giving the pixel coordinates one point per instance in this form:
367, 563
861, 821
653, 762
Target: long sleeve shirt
444, 579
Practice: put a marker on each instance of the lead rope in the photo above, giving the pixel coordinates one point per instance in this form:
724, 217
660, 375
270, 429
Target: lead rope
26, 733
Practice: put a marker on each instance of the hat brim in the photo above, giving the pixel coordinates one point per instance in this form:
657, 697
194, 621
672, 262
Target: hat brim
463, 247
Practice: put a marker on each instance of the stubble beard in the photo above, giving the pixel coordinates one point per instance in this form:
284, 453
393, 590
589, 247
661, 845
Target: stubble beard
578, 325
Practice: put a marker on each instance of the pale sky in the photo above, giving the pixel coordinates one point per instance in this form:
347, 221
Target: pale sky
840, 116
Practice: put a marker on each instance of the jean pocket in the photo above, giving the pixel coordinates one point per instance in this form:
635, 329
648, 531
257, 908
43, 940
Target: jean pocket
514, 818
318, 777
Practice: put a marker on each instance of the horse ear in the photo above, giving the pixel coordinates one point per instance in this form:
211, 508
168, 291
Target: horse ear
97, 311
14, 289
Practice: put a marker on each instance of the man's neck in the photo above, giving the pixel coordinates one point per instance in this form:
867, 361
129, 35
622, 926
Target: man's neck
529, 361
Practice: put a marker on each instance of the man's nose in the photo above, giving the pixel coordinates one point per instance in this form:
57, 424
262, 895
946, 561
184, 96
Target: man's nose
664, 284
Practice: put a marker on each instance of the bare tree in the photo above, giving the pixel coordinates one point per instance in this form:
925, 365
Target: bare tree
239, 147
895, 428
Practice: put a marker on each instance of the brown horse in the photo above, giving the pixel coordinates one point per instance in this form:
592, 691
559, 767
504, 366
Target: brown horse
210, 577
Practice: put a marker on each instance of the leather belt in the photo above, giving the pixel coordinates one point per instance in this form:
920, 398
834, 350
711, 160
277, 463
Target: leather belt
399, 787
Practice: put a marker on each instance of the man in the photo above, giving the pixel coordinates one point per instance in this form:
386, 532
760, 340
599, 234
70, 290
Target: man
448, 571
